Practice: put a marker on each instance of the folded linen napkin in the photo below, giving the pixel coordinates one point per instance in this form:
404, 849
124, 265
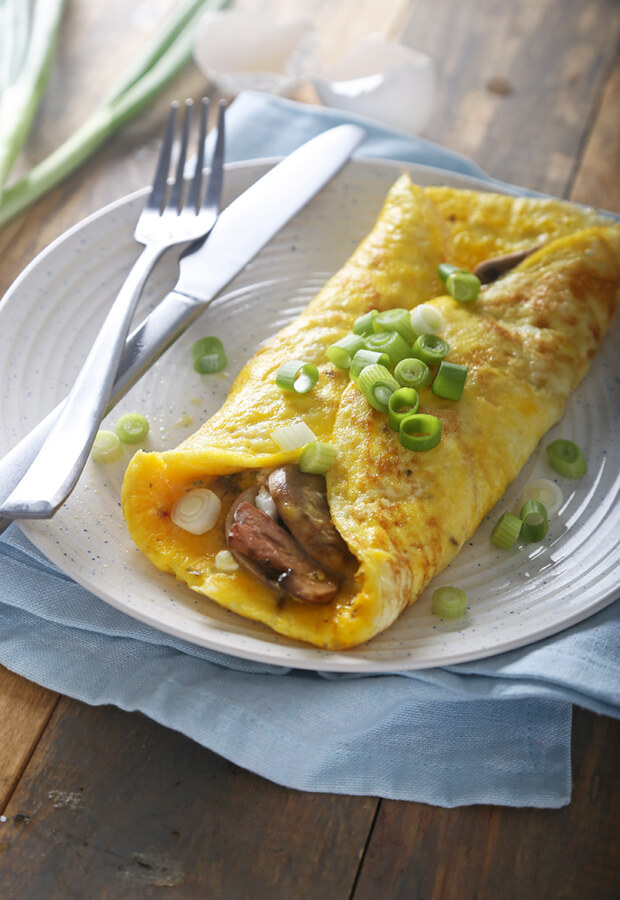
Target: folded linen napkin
493, 731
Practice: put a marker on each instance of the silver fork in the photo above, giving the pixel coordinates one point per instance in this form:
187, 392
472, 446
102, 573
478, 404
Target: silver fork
163, 223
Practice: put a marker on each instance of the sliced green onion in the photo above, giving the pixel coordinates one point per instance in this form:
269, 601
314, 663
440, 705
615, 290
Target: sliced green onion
297, 376
463, 286
403, 402
430, 348
363, 324
292, 437
546, 492
426, 319
444, 270
567, 458
506, 531
316, 458
106, 447
535, 526
365, 358
420, 432
197, 511
390, 342
132, 428
450, 380
413, 373
398, 320
209, 355
377, 384
342, 352
168, 52
449, 603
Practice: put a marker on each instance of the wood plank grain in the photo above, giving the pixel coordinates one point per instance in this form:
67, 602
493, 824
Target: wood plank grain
485, 852
538, 63
114, 805
25, 709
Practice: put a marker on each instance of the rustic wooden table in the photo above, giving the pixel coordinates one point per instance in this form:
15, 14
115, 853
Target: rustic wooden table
101, 803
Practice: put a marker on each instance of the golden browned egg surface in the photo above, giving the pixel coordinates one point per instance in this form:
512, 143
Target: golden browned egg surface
527, 341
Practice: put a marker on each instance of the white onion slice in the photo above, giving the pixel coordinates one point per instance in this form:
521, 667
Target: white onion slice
225, 561
265, 502
197, 511
546, 492
426, 319
292, 437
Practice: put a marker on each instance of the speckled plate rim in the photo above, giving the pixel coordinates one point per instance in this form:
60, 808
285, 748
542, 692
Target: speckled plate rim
303, 656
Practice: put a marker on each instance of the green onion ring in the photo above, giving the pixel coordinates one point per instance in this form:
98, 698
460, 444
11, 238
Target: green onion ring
390, 342
420, 431
534, 518
297, 376
450, 380
316, 458
430, 348
106, 447
449, 602
398, 320
567, 458
413, 373
365, 358
342, 352
363, 324
132, 428
377, 384
404, 398
208, 355
463, 286
506, 531
444, 270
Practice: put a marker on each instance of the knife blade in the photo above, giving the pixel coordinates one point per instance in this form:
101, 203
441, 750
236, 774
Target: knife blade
242, 230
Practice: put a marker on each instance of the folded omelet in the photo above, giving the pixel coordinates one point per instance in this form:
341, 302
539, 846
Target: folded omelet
527, 340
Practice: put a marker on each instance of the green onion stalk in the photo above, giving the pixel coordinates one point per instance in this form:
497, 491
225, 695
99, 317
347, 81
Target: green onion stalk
166, 55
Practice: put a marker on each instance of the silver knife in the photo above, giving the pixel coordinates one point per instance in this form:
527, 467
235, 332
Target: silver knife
242, 230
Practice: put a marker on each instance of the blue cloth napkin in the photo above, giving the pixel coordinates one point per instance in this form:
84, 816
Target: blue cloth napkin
494, 731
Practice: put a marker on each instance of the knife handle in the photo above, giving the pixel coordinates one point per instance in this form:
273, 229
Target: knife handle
143, 347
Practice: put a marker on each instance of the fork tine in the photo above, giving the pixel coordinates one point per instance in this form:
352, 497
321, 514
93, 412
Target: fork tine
193, 198
176, 194
216, 178
158, 190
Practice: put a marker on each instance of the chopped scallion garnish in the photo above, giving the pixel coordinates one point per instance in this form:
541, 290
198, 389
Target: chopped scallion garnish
390, 342
106, 447
398, 320
444, 270
363, 324
430, 348
402, 403
292, 437
420, 431
413, 373
316, 458
506, 531
364, 358
449, 602
450, 380
546, 492
197, 511
297, 376
209, 355
535, 525
377, 384
132, 428
342, 352
463, 286
567, 458
426, 319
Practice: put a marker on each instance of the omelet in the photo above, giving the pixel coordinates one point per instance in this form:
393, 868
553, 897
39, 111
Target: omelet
395, 517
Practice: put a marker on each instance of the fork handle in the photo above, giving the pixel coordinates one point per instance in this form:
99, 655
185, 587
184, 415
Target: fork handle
145, 345
57, 466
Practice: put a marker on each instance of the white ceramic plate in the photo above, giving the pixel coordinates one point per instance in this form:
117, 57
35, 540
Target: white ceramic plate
49, 319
